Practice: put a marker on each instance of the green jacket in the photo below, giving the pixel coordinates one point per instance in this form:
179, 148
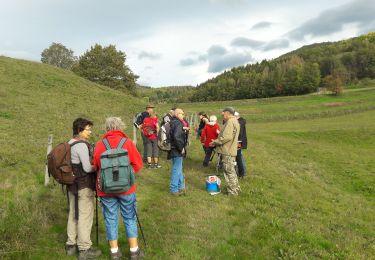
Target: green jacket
227, 142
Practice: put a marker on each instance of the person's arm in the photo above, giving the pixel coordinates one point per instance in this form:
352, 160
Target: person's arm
178, 136
84, 157
226, 135
134, 156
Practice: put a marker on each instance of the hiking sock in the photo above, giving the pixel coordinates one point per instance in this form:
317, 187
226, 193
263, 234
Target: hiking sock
114, 250
133, 249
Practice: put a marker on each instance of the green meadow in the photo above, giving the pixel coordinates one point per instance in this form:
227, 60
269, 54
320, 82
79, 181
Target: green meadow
309, 194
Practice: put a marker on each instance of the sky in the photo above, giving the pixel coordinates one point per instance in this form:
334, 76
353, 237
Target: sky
175, 42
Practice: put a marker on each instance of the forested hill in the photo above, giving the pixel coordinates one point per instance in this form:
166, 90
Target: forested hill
303, 71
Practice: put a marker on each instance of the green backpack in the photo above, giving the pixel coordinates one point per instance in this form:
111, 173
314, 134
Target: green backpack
116, 173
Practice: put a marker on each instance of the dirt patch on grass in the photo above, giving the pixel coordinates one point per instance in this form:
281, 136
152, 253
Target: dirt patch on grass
334, 104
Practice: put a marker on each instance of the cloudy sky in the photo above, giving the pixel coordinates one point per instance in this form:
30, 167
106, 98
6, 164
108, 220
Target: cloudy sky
179, 42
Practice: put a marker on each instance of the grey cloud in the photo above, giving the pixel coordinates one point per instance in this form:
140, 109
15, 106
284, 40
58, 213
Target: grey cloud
220, 62
261, 25
276, 44
216, 50
149, 55
188, 62
360, 12
246, 42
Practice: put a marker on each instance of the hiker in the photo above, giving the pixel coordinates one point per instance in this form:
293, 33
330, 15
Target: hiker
151, 130
178, 141
126, 201
203, 120
226, 146
242, 144
210, 132
81, 194
168, 117
139, 123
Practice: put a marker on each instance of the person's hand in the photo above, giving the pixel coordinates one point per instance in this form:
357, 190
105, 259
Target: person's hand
212, 144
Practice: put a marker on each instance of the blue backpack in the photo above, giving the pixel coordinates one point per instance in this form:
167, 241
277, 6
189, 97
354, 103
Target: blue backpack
116, 173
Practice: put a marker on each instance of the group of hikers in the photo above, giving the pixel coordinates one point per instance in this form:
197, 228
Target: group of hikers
116, 152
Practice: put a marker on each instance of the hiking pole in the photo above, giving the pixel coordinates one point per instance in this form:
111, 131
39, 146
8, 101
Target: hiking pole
96, 224
140, 227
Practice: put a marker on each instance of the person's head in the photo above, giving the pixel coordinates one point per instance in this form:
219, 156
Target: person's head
202, 115
213, 119
237, 115
114, 123
150, 108
227, 113
179, 113
153, 114
82, 128
171, 112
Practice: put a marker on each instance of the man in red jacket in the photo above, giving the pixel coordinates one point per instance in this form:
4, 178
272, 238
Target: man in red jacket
210, 132
126, 201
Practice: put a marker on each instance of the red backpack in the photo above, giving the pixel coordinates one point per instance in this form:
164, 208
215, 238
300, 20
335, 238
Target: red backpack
148, 128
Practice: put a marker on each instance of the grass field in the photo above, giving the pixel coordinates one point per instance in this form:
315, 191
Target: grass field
309, 192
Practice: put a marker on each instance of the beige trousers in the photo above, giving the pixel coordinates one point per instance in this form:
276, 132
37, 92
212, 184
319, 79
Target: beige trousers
79, 231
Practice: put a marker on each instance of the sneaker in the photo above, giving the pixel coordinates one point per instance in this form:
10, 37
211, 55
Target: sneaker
182, 192
90, 253
116, 256
71, 250
157, 166
150, 166
137, 255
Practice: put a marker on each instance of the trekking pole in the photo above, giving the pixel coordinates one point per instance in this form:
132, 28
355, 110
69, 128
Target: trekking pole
140, 227
96, 224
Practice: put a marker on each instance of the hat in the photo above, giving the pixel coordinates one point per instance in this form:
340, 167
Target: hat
229, 109
213, 118
236, 114
150, 106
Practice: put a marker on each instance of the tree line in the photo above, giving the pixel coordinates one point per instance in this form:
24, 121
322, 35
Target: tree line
303, 71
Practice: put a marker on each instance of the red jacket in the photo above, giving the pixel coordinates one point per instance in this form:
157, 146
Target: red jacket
209, 133
135, 158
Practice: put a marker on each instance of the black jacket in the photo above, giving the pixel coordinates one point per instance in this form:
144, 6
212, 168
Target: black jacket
177, 138
242, 137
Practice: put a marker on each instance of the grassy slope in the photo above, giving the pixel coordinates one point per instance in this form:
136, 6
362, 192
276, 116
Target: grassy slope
310, 193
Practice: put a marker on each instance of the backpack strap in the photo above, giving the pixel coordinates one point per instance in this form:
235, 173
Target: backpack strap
121, 143
106, 144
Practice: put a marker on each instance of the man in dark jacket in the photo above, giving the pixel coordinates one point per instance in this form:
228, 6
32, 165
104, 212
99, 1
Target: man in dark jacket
242, 144
177, 152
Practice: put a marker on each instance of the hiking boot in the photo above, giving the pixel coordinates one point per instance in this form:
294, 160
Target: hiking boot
176, 194
136, 255
71, 250
116, 256
157, 166
182, 192
150, 165
88, 254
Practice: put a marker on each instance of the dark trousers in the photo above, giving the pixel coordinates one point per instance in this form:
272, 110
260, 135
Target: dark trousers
208, 151
144, 140
240, 164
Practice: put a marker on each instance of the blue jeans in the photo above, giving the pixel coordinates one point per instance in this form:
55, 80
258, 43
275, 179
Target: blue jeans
240, 163
110, 207
177, 177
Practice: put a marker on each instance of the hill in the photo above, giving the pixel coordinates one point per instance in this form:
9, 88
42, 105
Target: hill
299, 72
309, 193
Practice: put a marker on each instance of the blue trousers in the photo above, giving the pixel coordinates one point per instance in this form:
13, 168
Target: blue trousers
177, 176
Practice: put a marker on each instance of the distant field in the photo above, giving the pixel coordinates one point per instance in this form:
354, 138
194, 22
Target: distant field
309, 194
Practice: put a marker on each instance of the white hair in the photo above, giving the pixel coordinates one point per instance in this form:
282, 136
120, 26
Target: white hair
236, 114
213, 118
114, 123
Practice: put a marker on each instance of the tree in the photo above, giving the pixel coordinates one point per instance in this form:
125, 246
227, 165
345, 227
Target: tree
58, 55
106, 66
333, 83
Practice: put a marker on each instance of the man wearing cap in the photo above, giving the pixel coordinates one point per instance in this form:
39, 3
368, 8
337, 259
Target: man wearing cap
144, 114
226, 146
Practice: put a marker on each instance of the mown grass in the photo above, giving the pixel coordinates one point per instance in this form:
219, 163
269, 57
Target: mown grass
309, 194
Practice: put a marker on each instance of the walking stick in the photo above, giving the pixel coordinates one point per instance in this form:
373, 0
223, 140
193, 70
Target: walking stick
140, 227
96, 224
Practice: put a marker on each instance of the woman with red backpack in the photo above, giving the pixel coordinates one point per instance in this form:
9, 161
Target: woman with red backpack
150, 130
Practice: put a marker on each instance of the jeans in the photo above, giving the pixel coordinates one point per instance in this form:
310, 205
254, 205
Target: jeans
240, 163
110, 206
177, 177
